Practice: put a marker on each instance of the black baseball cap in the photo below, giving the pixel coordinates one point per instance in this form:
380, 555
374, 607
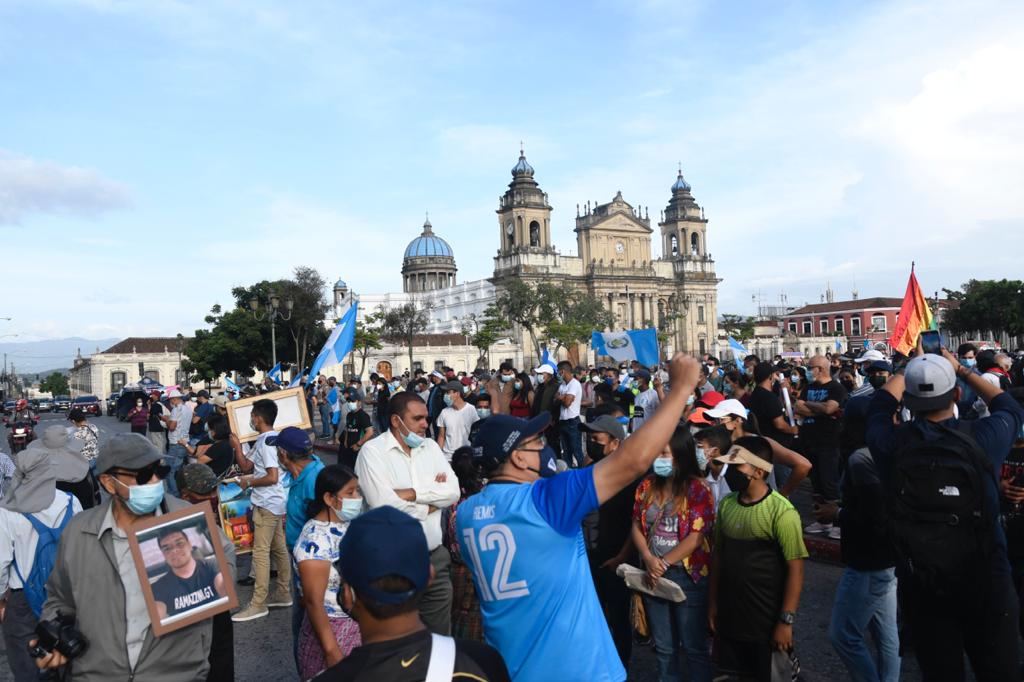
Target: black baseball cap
501, 434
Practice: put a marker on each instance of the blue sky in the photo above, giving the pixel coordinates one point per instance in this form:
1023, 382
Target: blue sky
154, 154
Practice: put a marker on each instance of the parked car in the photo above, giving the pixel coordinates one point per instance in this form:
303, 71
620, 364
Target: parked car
62, 403
89, 404
9, 407
45, 405
112, 404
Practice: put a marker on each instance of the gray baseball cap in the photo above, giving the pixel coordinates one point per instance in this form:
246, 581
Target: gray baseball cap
930, 383
131, 451
606, 424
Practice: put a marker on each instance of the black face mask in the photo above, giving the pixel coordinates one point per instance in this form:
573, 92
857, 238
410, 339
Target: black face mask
848, 385
595, 450
736, 480
877, 380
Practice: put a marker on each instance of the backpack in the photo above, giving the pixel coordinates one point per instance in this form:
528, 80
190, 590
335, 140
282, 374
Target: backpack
936, 502
42, 563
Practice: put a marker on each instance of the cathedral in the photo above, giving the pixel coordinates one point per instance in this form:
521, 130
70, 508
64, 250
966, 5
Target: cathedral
677, 292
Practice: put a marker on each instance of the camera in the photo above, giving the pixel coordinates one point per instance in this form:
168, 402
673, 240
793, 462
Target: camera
58, 633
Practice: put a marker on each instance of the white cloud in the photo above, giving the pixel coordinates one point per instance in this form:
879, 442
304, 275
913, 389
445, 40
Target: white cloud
30, 186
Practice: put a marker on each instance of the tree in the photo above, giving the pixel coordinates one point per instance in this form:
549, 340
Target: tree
571, 316
55, 384
740, 327
367, 338
402, 325
987, 306
234, 343
484, 332
517, 303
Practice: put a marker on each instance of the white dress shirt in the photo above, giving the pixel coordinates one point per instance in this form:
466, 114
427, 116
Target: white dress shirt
18, 539
383, 467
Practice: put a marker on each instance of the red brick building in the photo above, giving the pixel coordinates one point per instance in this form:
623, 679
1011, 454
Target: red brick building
869, 318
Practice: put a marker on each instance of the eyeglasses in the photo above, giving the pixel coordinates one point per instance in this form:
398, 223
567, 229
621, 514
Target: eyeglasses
145, 474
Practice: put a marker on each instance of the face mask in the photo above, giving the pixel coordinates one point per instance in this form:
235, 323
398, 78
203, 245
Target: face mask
252, 427
505, 378
595, 451
350, 508
622, 420
848, 384
968, 362
144, 499
595, 379
610, 381
736, 479
541, 378
448, 400
518, 385
483, 412
352, 407
413, 440
663, 467
547, 463
794, 378
138, 403
727, 389
877, 381
561, 379
702, 459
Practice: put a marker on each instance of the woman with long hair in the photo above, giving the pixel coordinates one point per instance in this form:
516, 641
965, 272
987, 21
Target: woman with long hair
734, 385
522, 398
467, 623
673, 516
327, 633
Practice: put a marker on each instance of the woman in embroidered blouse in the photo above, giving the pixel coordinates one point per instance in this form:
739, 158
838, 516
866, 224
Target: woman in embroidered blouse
327, 633
673, 515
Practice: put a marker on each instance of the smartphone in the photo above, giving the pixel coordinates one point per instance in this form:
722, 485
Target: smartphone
931, 342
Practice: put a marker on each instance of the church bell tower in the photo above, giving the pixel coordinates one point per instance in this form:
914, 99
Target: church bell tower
524, 214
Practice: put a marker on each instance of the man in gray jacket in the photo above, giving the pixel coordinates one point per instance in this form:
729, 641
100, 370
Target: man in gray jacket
94, 578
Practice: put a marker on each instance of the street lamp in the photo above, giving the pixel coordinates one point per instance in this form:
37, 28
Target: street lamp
272, 311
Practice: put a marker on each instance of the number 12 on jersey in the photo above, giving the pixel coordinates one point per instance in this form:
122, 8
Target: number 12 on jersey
495, 537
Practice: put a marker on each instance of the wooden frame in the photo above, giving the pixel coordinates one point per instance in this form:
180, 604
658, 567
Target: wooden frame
291, 411
218, 595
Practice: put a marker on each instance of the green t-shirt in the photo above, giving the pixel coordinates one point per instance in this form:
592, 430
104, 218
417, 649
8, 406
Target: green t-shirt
772, 518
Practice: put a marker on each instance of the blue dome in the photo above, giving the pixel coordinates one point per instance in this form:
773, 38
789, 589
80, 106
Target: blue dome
680, 183
340, 284
428, 244
522, 168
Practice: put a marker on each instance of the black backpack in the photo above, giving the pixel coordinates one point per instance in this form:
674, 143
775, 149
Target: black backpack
936, 498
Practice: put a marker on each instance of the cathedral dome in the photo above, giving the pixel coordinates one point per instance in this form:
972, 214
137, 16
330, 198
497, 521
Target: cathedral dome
523, 167
681, 184
340, 284
428, 244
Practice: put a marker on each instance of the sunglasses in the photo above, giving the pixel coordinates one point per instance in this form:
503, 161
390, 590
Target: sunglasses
145, 474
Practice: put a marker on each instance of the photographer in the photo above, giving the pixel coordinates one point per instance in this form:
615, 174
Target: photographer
95, 562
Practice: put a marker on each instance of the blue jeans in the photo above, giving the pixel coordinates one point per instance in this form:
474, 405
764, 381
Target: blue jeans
866, 602
175, 459
681, 627
325, 420
572, 446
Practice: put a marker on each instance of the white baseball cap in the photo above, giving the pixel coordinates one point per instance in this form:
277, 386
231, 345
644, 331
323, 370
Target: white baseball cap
544, 369
726, 408
870, 356
174, 393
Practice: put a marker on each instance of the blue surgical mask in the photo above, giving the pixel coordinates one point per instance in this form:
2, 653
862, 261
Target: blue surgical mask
622, 420
968, 362
794, 378
352, 407
483, 412
448, 400
350, 508
663, 467
702, 459
519, 385
727, 389
413, 440
144, 499
507, 377
610, 381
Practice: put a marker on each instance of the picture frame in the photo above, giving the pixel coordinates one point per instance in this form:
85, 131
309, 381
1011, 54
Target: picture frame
235, 510
167, 546
291, 411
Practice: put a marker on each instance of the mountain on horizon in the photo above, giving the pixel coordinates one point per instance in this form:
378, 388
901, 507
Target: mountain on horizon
37, 356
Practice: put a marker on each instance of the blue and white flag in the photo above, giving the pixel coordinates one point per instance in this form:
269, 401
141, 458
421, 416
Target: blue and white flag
275, 373
839, 346
737, 347
232, 385
546, 359
298, 378
339, 343
867, 344
632, 344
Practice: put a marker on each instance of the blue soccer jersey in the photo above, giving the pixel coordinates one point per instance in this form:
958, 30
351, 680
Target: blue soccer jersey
524, 546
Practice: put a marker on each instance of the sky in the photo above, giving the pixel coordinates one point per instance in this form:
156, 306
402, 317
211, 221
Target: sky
155, 154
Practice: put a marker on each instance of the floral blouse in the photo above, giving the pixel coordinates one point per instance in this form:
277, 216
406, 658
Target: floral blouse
697, 515
321, 541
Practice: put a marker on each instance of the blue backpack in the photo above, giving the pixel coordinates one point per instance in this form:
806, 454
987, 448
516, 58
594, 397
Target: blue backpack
42, 564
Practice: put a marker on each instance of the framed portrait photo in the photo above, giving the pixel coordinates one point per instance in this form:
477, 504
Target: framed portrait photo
182, 568
291, 411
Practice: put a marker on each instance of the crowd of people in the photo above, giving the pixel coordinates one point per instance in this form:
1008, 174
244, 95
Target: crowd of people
535, 525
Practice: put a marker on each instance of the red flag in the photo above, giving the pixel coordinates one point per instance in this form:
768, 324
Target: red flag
915, 317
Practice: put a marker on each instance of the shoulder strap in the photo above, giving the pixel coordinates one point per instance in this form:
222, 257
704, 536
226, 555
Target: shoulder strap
442, 659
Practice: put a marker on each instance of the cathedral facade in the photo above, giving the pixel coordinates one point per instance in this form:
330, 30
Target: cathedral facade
677, 292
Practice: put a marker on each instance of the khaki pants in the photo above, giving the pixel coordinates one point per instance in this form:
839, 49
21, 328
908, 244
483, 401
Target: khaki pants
268, 541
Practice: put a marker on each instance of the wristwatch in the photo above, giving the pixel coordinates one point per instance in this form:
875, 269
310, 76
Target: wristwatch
787, 617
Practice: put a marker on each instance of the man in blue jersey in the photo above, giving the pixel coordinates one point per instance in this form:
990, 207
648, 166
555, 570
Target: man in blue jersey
522, 538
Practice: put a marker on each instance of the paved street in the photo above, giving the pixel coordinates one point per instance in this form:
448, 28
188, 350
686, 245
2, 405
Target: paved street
263, 647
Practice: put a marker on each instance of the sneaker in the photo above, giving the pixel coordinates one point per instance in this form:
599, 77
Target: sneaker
250, 612
278, 602
817, 527
835, 533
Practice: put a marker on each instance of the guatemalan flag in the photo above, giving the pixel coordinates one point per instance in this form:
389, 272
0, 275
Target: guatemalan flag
232, 385
275, 373
339, 343
632, 344
738, 349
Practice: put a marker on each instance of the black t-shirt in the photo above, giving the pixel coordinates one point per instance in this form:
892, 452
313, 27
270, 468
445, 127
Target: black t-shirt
822, 430
406, 660
1013, 514
155, 411
624, 398
185, 594
356, 424
221, 455
766, 407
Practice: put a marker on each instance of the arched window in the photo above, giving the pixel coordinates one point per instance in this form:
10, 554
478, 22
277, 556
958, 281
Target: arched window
694, 243
534, 233
674, 245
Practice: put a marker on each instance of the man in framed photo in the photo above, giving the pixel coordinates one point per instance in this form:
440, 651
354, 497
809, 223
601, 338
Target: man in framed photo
190, 583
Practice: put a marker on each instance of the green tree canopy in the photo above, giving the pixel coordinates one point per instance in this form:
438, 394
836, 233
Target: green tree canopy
403, 324
570, 316
740, 327
367, 339
56, 384
485, 331
987, 306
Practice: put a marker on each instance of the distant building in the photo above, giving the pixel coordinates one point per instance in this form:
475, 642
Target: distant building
871, 319
128, 361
